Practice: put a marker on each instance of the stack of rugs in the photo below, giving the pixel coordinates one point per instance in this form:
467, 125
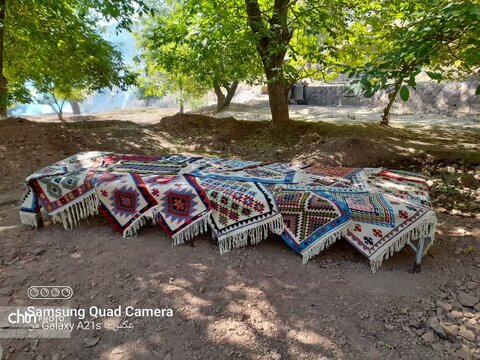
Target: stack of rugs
376, 210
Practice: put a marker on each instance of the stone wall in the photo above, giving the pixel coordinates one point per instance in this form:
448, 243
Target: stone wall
429, 97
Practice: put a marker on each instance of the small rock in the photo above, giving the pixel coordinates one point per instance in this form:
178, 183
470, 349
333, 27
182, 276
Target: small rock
127, 275
434, 324
467, 334
39, 252
428, 336
444, 305
91, 341
450, 330
275, 355
468, 314
389, 327
455, 315
407, 329
458, 251
93, 283
467, 299
464, 353
471, 285
403, 310
52, 280
168, 357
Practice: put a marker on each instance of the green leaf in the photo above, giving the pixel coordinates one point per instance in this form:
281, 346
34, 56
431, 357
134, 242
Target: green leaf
434, 76
404, 93
365, 84
356, 88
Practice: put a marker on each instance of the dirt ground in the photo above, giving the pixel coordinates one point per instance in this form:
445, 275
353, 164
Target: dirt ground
259, 302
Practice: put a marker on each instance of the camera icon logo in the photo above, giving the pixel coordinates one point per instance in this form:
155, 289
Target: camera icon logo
50, 292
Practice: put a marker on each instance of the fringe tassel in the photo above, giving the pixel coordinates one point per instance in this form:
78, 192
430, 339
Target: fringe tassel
76, 211
142, 220
198, 227
255, 233
425, 229
321, 245
29, 218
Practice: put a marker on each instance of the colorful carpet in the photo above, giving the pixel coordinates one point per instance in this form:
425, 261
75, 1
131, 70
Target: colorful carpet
243, 211
378, 211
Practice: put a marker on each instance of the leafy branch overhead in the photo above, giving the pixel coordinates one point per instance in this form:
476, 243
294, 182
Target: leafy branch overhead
202, 42
57, 47
438, 37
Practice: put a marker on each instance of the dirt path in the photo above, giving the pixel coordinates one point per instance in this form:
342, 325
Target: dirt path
258, 302
259, 110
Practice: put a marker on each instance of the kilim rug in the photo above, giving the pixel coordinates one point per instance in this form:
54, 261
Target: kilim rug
243, 211
312, 221
64, 190
376, 210
177, 203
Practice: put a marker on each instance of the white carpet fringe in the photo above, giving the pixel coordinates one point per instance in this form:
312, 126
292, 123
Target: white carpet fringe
77, 210
425, 229
142, 220
255, 234
321, 245
196, 228
28, 218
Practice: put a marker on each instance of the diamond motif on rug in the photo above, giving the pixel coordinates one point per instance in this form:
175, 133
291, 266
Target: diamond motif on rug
242, 211
377, 210
312, 221
181, 204
124, 201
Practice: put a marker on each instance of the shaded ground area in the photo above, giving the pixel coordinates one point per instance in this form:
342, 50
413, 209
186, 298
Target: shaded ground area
258, 302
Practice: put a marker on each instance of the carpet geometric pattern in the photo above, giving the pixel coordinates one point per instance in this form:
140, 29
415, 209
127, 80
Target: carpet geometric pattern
376, 210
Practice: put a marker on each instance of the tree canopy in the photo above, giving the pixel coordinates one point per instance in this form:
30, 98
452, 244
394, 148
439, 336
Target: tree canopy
191, 46
203, 42
57, 47
403, 39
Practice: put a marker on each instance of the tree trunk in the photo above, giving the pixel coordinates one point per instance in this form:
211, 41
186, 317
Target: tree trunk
392, 97
3, 79
75, 107
182, 108
224, 100
57, 108
220, 97
274, 35
230, 93
278, 99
